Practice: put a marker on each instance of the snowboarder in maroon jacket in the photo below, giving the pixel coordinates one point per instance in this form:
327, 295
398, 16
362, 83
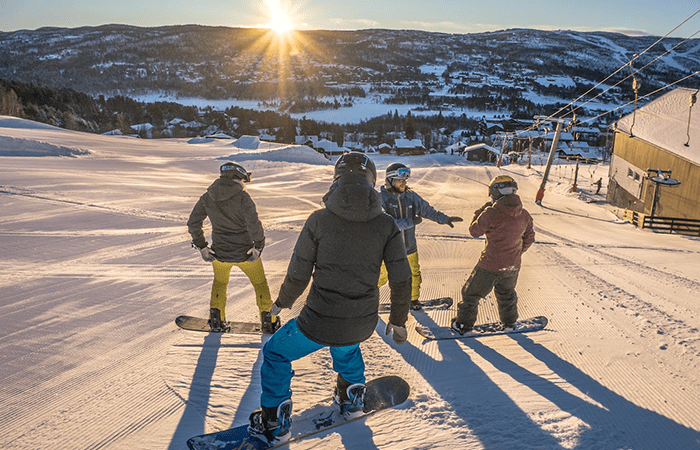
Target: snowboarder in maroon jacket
509, 233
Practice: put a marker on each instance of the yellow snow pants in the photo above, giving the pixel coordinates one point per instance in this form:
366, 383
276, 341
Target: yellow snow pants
415, 272
255, 273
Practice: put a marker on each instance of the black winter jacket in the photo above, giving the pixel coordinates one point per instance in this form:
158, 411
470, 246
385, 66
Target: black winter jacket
234, 221
343, 246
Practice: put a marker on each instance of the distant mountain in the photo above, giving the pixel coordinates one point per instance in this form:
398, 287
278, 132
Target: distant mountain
519, 70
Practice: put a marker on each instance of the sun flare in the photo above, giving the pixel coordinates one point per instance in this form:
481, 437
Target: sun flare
280, 20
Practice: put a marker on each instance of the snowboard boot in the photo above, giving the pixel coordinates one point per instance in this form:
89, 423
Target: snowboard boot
459, 327
350, 398
272, 425
508, 325
215, 322
269, 323
416, 305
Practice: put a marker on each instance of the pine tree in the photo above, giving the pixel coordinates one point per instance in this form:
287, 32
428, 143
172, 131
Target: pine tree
409, 126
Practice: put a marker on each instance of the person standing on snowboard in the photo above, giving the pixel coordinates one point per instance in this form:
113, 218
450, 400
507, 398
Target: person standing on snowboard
341, 248
408, 209
237, 240
509, 233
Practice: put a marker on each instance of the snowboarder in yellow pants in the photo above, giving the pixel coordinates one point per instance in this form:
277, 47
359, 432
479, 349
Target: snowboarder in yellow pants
255, 273
415, 273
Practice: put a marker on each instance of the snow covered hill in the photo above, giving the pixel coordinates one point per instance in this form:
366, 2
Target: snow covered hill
496, 71
96, 265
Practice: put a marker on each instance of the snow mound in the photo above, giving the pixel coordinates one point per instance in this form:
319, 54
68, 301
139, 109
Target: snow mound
10, 146
247, 142
16, 122
292, 153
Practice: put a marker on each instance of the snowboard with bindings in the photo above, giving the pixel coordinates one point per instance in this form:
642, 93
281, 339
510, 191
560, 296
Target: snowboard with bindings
380, 393
435, 303
486, 329
198, 324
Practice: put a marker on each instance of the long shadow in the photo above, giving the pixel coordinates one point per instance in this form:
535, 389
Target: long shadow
618, 424
360, 437
251, 398
193, 418
483, 406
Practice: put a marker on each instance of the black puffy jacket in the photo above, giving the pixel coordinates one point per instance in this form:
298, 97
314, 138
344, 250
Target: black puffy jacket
343, 246
234, 221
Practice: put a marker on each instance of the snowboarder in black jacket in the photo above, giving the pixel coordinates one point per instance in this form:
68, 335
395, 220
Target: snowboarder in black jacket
342, 248
237, 240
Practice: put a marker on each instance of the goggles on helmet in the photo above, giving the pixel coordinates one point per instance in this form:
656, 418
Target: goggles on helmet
242, 173
503, 184
399, 174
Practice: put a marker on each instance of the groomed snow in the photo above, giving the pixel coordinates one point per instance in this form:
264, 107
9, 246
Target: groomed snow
96, 265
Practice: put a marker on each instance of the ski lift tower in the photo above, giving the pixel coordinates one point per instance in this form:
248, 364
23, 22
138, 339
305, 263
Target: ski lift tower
555, 145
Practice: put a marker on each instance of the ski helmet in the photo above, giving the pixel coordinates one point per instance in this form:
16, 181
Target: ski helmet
235, 171
356, 162
502, 185
397, 171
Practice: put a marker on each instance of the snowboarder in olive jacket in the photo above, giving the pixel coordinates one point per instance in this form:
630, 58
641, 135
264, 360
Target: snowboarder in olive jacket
341, 248
237, 240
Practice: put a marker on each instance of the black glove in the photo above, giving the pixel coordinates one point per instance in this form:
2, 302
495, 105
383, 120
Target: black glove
452, 219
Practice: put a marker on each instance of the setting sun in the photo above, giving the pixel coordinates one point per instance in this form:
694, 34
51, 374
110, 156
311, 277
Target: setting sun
280, 20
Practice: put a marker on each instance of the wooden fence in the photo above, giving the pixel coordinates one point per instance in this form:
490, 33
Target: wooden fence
690, 227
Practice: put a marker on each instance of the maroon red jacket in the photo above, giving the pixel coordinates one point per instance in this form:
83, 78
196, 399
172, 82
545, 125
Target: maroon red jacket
509, 233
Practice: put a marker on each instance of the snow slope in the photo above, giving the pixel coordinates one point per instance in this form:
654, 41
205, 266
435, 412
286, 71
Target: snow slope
96, 264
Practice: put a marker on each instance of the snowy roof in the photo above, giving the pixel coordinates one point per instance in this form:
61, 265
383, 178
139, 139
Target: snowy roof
142, 126
408, 143
664, 122
480, 146
304, 139
330, 146
456, 146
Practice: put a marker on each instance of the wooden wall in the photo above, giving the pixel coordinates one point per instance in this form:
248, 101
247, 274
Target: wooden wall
680, 201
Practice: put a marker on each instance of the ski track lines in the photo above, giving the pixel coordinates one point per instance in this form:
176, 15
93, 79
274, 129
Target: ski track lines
49, 388
634, 373
629, 372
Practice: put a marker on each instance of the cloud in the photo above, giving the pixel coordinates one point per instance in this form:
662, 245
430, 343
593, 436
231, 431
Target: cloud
354, 23
444, 26
627, 31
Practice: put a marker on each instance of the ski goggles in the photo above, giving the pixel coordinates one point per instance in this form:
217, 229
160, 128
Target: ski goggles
401, 173
242, 173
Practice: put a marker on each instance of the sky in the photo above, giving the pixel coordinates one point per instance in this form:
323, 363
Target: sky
634, 17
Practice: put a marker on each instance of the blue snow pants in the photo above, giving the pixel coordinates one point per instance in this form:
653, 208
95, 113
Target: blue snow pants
289, 344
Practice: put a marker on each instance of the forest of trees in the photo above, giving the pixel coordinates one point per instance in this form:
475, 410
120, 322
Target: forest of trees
73, 110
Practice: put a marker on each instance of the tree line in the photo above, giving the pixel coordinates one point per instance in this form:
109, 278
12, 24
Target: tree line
73, 110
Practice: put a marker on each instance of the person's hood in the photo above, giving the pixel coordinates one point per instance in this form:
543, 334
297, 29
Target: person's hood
224, 188
510, 205
353, 198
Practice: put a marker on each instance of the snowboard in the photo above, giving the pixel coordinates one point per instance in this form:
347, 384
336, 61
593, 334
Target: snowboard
435, 303
380, 393
487, 329
199, 324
